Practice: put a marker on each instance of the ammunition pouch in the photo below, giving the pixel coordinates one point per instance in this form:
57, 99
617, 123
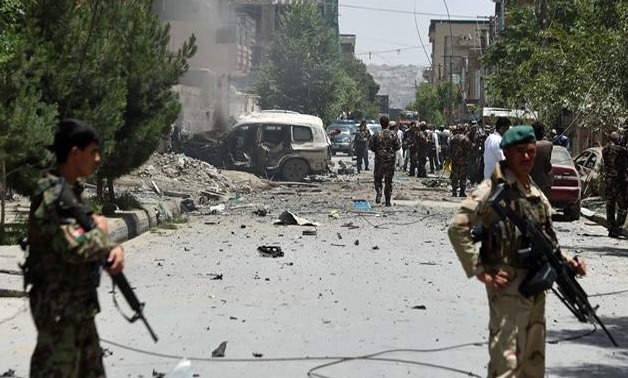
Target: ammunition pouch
538, 280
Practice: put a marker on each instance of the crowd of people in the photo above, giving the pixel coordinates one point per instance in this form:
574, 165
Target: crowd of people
471, 151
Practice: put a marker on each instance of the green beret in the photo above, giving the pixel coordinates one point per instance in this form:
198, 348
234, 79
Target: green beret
516, 135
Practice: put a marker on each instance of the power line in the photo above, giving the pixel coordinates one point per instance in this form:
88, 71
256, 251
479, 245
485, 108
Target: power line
407, 12
397, 50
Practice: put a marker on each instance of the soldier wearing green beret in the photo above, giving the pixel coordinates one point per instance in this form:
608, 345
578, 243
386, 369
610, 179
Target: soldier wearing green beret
66, 250
517, 322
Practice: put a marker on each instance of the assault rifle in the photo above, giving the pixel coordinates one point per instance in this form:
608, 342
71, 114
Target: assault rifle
69, 205
547, 264
135, 304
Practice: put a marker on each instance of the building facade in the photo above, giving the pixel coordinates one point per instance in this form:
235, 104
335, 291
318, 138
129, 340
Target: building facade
232, 38
457, 46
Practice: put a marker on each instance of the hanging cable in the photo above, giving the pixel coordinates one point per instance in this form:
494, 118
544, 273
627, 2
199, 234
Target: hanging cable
416, 24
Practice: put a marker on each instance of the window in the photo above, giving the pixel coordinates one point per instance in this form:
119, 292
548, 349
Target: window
591, 162
274, 134
302, 134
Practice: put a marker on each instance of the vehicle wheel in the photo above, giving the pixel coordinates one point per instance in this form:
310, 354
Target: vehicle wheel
572, 212
294, 170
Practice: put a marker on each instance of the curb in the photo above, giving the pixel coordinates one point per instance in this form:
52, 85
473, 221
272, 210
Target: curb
123, 226
593, 216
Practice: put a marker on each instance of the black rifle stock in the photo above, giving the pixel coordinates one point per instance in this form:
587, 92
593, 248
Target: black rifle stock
567, 288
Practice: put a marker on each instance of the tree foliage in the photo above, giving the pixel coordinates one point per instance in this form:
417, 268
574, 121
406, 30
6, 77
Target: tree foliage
576, 64
107, 63
150, 71
25, 119
301, 73
368, 88
431, 100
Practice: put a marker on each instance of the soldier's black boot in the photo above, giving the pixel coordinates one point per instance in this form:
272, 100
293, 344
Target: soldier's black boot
388, 201
462, 193
612, 226
621, 218
378, 197
454, 192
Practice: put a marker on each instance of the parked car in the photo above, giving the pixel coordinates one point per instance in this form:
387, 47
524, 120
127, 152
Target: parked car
284, 144
589, 165
374, 127
342, 133
565, 192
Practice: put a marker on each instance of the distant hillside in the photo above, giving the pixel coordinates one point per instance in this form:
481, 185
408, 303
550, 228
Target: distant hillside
398, 82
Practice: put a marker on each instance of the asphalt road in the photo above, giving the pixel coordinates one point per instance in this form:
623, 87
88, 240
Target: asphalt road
390, 287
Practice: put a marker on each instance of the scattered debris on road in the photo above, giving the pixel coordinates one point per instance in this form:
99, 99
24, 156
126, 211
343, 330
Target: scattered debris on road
288, 218
270, 251
220, 351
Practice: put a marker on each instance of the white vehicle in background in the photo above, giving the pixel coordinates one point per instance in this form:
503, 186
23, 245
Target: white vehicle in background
281, 144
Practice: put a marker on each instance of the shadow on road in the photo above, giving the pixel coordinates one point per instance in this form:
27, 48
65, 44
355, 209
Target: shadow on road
606, 367
603, 250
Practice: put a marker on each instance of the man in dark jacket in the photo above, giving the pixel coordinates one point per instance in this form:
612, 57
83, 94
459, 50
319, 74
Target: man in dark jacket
542, 169
615, 161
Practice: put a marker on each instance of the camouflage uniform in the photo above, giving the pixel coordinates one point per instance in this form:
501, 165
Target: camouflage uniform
418, 144
616, 165
476, 155
63, 266
432, 154
361, 142
384, 144
517, 323
423, 150
459, 148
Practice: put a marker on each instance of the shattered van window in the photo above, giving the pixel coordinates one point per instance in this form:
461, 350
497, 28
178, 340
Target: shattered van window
302, 134
272, 134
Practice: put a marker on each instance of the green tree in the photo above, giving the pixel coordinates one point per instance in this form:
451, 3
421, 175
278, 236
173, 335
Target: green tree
366, 104
301, 73
576, 63
150, 71
109, 64
25, 120
429, 104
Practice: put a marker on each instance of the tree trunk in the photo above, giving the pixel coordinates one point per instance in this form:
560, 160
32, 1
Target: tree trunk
3, 194
112, 195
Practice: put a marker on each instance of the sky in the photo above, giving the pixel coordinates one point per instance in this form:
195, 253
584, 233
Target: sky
388, 29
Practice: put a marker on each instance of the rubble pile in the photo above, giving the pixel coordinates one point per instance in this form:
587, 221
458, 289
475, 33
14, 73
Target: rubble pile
172, 174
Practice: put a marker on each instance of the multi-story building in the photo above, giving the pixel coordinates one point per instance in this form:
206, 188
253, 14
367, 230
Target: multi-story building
347, 46
457, 46
232, 38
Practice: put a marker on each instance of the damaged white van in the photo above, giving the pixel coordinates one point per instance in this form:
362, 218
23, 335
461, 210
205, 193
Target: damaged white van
284, 145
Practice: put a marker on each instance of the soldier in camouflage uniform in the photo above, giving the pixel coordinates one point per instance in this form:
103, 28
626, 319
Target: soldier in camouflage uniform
517, 323
361, 142
476, 136
412, 143
384, 144
615, 164
66, 248
422, 145
459, 147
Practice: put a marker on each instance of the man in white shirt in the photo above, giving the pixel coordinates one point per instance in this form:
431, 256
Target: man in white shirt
492, 152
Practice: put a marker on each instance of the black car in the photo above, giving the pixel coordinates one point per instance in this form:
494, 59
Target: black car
341, 134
